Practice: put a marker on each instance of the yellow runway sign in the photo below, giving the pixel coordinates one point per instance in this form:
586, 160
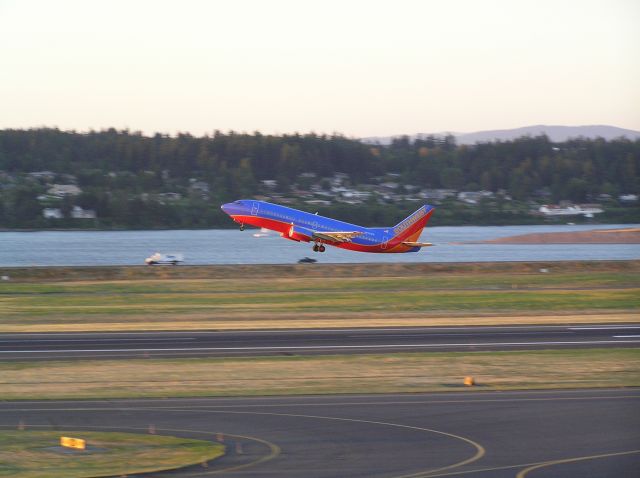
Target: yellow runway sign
76, 443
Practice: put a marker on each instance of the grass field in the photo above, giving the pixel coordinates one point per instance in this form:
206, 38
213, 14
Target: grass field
409, 372
37, 454
441, 298
226, 298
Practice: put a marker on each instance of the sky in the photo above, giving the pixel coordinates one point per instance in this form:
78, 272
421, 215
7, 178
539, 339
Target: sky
359, 68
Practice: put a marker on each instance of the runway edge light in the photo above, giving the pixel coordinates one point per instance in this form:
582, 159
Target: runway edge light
469, 381
77, 443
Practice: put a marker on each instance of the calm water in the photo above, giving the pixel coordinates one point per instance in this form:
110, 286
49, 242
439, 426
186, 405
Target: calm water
65, 248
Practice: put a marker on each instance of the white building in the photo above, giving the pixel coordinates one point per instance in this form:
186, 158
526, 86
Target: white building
269, 183
628, 197
52, 213
318, 202
437, 194
78, 213
355, 194
473, 197
199, 186
45, 175
62, 190
586, 210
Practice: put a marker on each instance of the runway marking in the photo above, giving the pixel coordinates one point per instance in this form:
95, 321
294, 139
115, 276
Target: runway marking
330, 347
311, 404
160, 339
537, 464
626, 336
480, 451
313, 331
455, 335
424, 397
430, 473
274, 450
604, 327
524, 472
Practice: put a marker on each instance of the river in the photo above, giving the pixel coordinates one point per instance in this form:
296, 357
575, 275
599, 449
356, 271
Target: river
87, 248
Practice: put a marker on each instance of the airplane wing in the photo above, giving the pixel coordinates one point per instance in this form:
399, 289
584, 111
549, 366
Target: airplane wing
337, 236
417, 244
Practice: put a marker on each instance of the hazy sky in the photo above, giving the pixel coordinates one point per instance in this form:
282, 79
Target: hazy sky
361, 68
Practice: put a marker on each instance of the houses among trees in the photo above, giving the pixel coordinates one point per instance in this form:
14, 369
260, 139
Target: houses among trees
123, 179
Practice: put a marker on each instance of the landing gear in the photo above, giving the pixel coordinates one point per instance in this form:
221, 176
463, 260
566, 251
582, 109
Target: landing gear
242, 227
318, 248
321, 248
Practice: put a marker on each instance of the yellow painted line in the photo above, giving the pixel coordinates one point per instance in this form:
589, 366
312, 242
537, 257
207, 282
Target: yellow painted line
507, 467
274, 450
480, 451
481, 470
524, 472
329, 404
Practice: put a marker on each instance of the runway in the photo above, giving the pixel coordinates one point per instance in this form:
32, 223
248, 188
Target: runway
478, 434
46, 346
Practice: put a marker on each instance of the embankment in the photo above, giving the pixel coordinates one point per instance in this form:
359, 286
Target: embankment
305, 271
597, 236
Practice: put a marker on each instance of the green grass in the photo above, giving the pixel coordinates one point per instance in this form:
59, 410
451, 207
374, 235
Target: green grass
268, 302
16, 309
369, 373
495, 292
37, 454
271, 285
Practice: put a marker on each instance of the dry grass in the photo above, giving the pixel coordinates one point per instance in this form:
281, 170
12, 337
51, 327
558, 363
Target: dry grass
417, 372
258, 320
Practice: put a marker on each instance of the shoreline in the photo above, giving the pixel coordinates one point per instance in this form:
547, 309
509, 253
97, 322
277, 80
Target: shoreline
232, 227
284, 271
629, 235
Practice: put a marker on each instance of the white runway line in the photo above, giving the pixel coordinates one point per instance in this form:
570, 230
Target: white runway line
171, 339
331, 347
604, 327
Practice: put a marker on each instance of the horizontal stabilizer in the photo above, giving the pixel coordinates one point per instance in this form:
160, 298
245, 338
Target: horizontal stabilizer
417, 244
337, 236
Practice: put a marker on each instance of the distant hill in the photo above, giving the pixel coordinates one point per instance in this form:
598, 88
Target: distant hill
554, 132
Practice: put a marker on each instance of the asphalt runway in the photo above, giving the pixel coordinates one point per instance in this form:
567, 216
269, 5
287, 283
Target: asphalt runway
586, 433
46, 346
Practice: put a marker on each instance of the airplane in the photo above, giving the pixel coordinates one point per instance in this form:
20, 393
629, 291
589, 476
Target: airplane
303, 226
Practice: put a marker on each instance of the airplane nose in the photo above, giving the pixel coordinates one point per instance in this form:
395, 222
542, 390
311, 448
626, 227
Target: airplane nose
224, 207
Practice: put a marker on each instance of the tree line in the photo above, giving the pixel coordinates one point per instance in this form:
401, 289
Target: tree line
120, 171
